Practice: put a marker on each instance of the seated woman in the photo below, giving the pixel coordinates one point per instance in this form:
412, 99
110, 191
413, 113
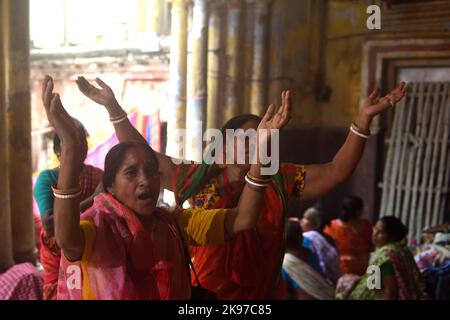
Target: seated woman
313, 223
400, 277
353, 236
303, 280
124, 247
90, 177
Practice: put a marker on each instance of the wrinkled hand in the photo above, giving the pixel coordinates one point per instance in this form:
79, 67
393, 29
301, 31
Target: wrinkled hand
104, 96
56, 114
374, 105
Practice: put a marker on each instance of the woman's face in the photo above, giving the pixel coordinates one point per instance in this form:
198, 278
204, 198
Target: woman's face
379, 235
308, 222
137, 182
248, 125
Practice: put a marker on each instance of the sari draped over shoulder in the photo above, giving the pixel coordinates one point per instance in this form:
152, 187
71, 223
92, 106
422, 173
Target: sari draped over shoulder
308, 279
354, 243
121, 260
411, 284
248, 266
327, 254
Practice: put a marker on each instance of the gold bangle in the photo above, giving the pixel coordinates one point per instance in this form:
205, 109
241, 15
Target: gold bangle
367, 133
258, 180
66, 192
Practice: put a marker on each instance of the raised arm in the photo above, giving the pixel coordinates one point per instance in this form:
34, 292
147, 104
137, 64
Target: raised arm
124, 129
68, 233
322, 178
246, 214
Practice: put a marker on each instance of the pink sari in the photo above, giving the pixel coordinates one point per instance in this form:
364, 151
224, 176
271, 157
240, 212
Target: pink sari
125, 261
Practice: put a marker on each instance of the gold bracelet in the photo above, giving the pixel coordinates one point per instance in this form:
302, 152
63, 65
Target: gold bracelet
66, 192
258, 180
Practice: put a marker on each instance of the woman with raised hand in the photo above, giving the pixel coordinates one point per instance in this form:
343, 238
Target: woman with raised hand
124, 247
248, 267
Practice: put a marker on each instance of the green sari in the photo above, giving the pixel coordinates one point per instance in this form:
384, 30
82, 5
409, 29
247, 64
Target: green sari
411, 285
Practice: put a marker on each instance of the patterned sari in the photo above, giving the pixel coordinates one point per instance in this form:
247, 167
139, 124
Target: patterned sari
50, 253
247, 267
122, 260
354, 242
411, 285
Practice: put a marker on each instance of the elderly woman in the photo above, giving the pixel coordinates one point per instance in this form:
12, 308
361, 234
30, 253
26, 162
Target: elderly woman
248, 266
313, 223
393, 262
124, 247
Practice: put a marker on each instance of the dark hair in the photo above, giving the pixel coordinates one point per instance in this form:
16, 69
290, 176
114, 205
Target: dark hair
350, 207
206, 172
394, 228
294, 235
115, 157
320, 219
83, 137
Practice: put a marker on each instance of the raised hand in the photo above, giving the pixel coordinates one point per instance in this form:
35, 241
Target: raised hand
104, 96
374, 105
278, 119
56, 114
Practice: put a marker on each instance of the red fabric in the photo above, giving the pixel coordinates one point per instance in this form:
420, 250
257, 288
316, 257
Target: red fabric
354, 242
248, 266
127, 261
21, 282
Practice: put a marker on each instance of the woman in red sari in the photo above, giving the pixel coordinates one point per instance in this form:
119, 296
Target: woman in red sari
248, 267
353, 236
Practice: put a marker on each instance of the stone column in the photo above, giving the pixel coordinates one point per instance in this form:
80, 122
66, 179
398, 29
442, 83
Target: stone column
259, 87
17, 67
178, 75
234, 59
197, 81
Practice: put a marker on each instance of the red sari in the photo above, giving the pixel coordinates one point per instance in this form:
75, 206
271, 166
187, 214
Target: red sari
354, 242
248, 266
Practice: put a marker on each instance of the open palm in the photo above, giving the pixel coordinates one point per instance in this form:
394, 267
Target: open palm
104, 96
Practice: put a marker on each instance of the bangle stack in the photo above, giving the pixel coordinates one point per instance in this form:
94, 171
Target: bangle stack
118, 119
356, 130
67, 194
257, 182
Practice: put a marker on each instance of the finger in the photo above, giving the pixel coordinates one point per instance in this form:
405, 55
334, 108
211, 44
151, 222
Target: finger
288, 109
269, 113
44, 87
48, 92
101, 83
375, 93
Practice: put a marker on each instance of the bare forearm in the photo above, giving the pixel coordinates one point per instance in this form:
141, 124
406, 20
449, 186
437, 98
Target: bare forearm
67, 211
127, 132
249, 206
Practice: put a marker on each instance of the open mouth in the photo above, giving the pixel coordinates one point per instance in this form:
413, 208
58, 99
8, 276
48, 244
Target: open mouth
145, 196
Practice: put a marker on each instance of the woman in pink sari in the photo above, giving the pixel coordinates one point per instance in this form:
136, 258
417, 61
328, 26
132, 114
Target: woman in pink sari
124, 247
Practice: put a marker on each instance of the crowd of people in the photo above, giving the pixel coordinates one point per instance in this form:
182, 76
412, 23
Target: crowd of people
235, 241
